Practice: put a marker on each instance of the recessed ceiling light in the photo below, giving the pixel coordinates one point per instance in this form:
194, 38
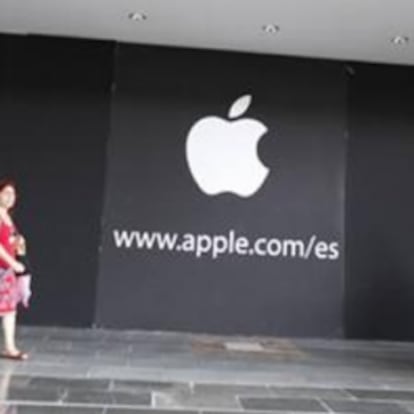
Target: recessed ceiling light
271, 28
137, 17
400, 40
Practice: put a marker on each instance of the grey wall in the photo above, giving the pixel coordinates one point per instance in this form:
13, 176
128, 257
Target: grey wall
380, 203
54, 123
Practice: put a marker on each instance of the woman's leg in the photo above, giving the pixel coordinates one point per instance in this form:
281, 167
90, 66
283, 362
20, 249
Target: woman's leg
9, 331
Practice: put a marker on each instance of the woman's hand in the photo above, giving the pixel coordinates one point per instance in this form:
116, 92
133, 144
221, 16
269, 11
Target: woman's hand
18, 267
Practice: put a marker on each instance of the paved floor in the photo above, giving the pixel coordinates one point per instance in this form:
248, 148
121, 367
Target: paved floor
105, 372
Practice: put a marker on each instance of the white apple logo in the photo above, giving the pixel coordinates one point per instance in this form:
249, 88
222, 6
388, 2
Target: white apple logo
222, 155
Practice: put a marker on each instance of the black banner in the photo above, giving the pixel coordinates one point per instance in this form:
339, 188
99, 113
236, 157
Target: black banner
224, 199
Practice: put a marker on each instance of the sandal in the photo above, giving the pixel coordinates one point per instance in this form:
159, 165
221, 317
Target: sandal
16, 356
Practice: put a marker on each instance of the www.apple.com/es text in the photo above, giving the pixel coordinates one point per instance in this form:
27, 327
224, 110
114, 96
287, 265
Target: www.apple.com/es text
214, 246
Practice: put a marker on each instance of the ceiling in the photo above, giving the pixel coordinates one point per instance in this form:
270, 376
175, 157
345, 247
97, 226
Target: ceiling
339, 29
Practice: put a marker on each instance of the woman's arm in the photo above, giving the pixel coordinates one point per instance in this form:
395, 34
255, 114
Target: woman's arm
10, 260
20, 243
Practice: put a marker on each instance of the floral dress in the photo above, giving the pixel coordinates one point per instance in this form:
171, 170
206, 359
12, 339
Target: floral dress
8, 281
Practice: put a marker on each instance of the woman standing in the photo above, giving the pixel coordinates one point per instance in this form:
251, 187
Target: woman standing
10, 243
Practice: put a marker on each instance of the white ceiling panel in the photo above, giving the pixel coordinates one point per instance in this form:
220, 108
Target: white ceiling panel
339, 29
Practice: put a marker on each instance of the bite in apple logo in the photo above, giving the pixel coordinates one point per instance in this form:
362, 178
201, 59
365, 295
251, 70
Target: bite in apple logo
222, 155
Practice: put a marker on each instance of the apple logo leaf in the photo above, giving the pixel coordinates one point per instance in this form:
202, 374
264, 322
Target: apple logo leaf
240, 106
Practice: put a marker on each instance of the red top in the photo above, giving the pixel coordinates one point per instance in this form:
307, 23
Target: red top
6, 240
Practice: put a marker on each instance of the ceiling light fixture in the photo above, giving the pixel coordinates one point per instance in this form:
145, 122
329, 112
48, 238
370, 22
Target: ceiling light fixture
271, 28
137, 17
400, 40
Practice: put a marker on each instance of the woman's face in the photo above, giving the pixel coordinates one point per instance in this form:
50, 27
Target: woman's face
7, 197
